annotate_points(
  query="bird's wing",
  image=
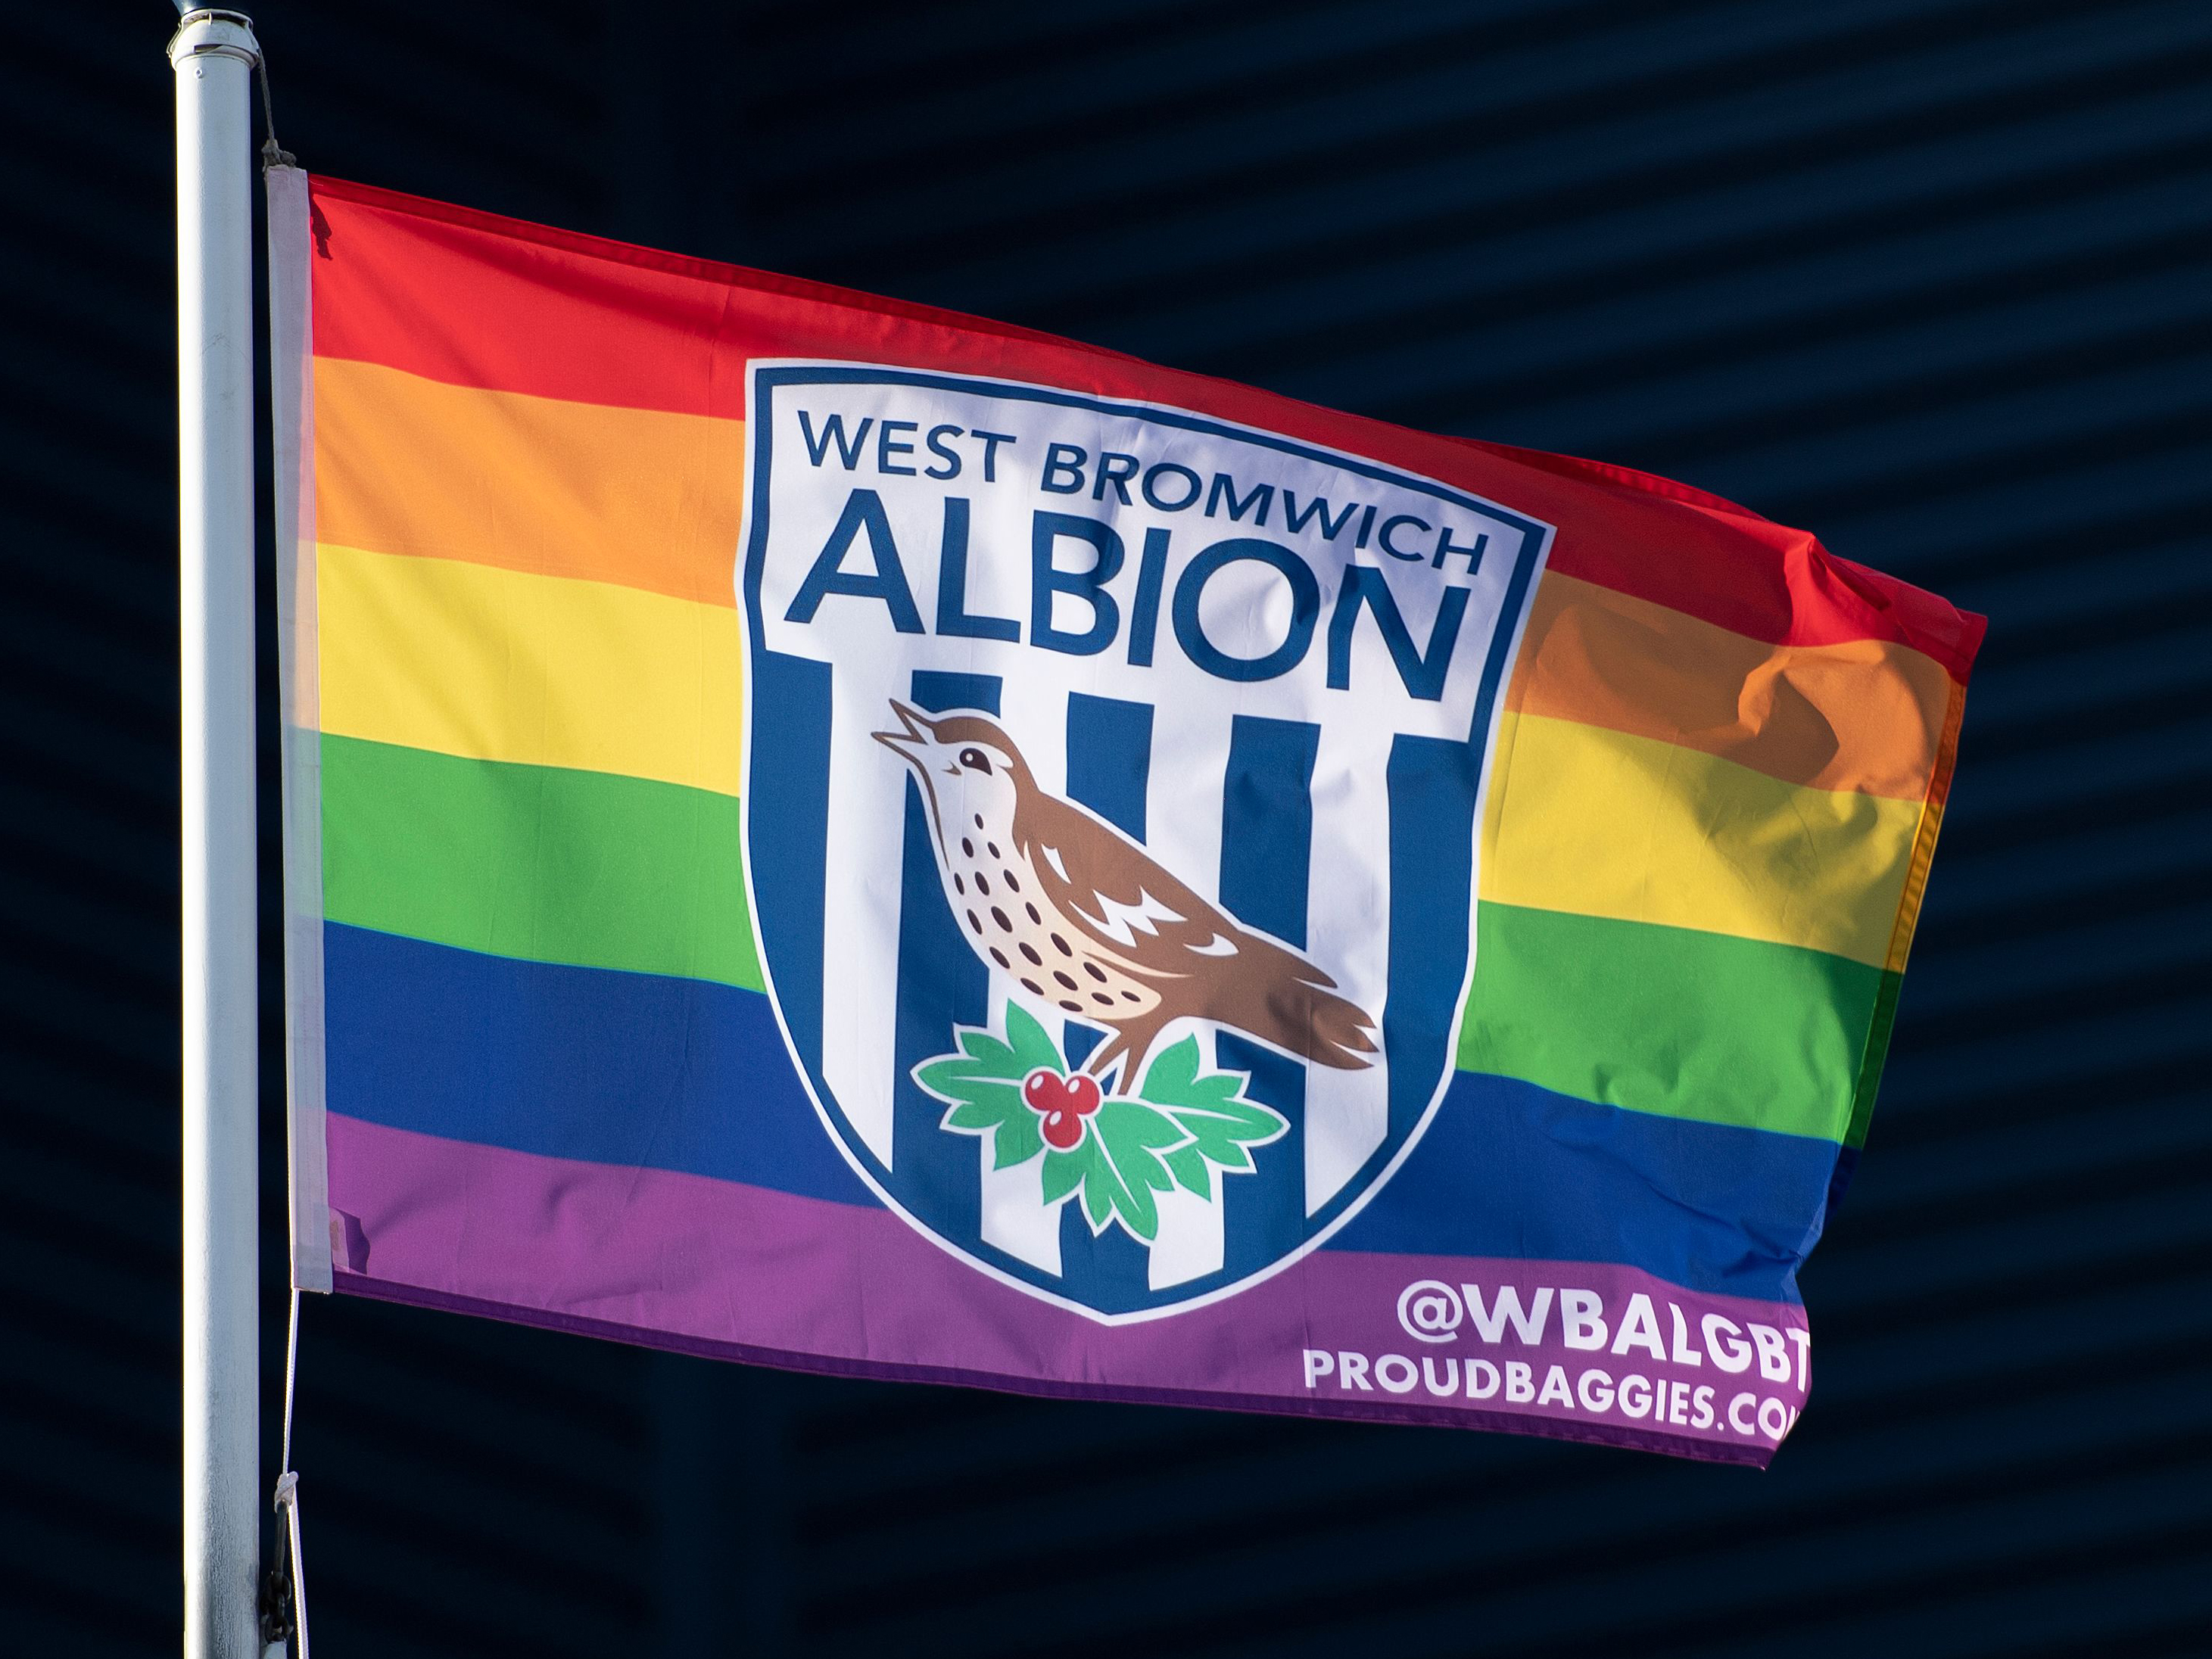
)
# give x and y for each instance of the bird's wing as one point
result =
(1129, 903)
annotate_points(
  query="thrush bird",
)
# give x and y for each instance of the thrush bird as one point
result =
(1085, 918)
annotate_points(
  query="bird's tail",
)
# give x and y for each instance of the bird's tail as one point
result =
(1300, 1012)
(1337, 1032)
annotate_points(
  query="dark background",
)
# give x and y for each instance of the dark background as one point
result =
(1932, 279)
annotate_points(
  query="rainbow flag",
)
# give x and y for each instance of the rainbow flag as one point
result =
(835, 834)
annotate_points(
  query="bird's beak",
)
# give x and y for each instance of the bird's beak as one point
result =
(909, 740)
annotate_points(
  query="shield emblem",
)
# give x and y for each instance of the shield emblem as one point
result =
(1113, 786)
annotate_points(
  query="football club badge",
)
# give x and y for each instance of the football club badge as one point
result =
(1122, 770)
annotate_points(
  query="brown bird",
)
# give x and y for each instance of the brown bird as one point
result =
(1085, 918)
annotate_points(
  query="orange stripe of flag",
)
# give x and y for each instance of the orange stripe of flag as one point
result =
(640, 497)
(1865, 715)
(650, 500)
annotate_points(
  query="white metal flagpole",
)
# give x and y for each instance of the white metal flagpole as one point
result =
(213, 55)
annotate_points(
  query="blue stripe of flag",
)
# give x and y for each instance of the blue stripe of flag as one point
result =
(647, 1072)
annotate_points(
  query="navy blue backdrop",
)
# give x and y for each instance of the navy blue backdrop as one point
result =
(1931, 277)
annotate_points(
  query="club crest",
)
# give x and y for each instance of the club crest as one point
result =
(1120, 770)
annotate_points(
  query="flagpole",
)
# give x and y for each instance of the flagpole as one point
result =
(214, 54)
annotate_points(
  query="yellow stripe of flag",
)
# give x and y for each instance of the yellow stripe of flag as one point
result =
(1586, 819)
(496, 665)
(470, 659)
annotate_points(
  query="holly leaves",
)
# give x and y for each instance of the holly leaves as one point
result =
(1211, 1110)
(1181, 1127)
(1117, 1166)
(983, 1083)
(996, 1109)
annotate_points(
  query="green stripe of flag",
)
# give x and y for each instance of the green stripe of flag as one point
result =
(1670, 1020)
(1877, 1051)
(537, 862)
(600, 871)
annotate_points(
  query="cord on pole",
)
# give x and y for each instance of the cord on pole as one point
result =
(283, 1600)
(273, 154)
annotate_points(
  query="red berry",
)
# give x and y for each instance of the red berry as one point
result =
(1082, 1092)
(1062, 1129)
(1047, 1090)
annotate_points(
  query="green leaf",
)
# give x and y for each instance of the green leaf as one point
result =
(1129, 1126)
(951, 1077)
(990, 1055)
(984, 1060)
(1189, 1168)
(1217, 1092)
(974, 1116)
(1064, 1171)
(1018, 1141)
(1168, 1079)
(1223, 1132)
(983, 1105)
(996, 1109)
(1211, 1109)
(1131, 1135)
(1100, 1194)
